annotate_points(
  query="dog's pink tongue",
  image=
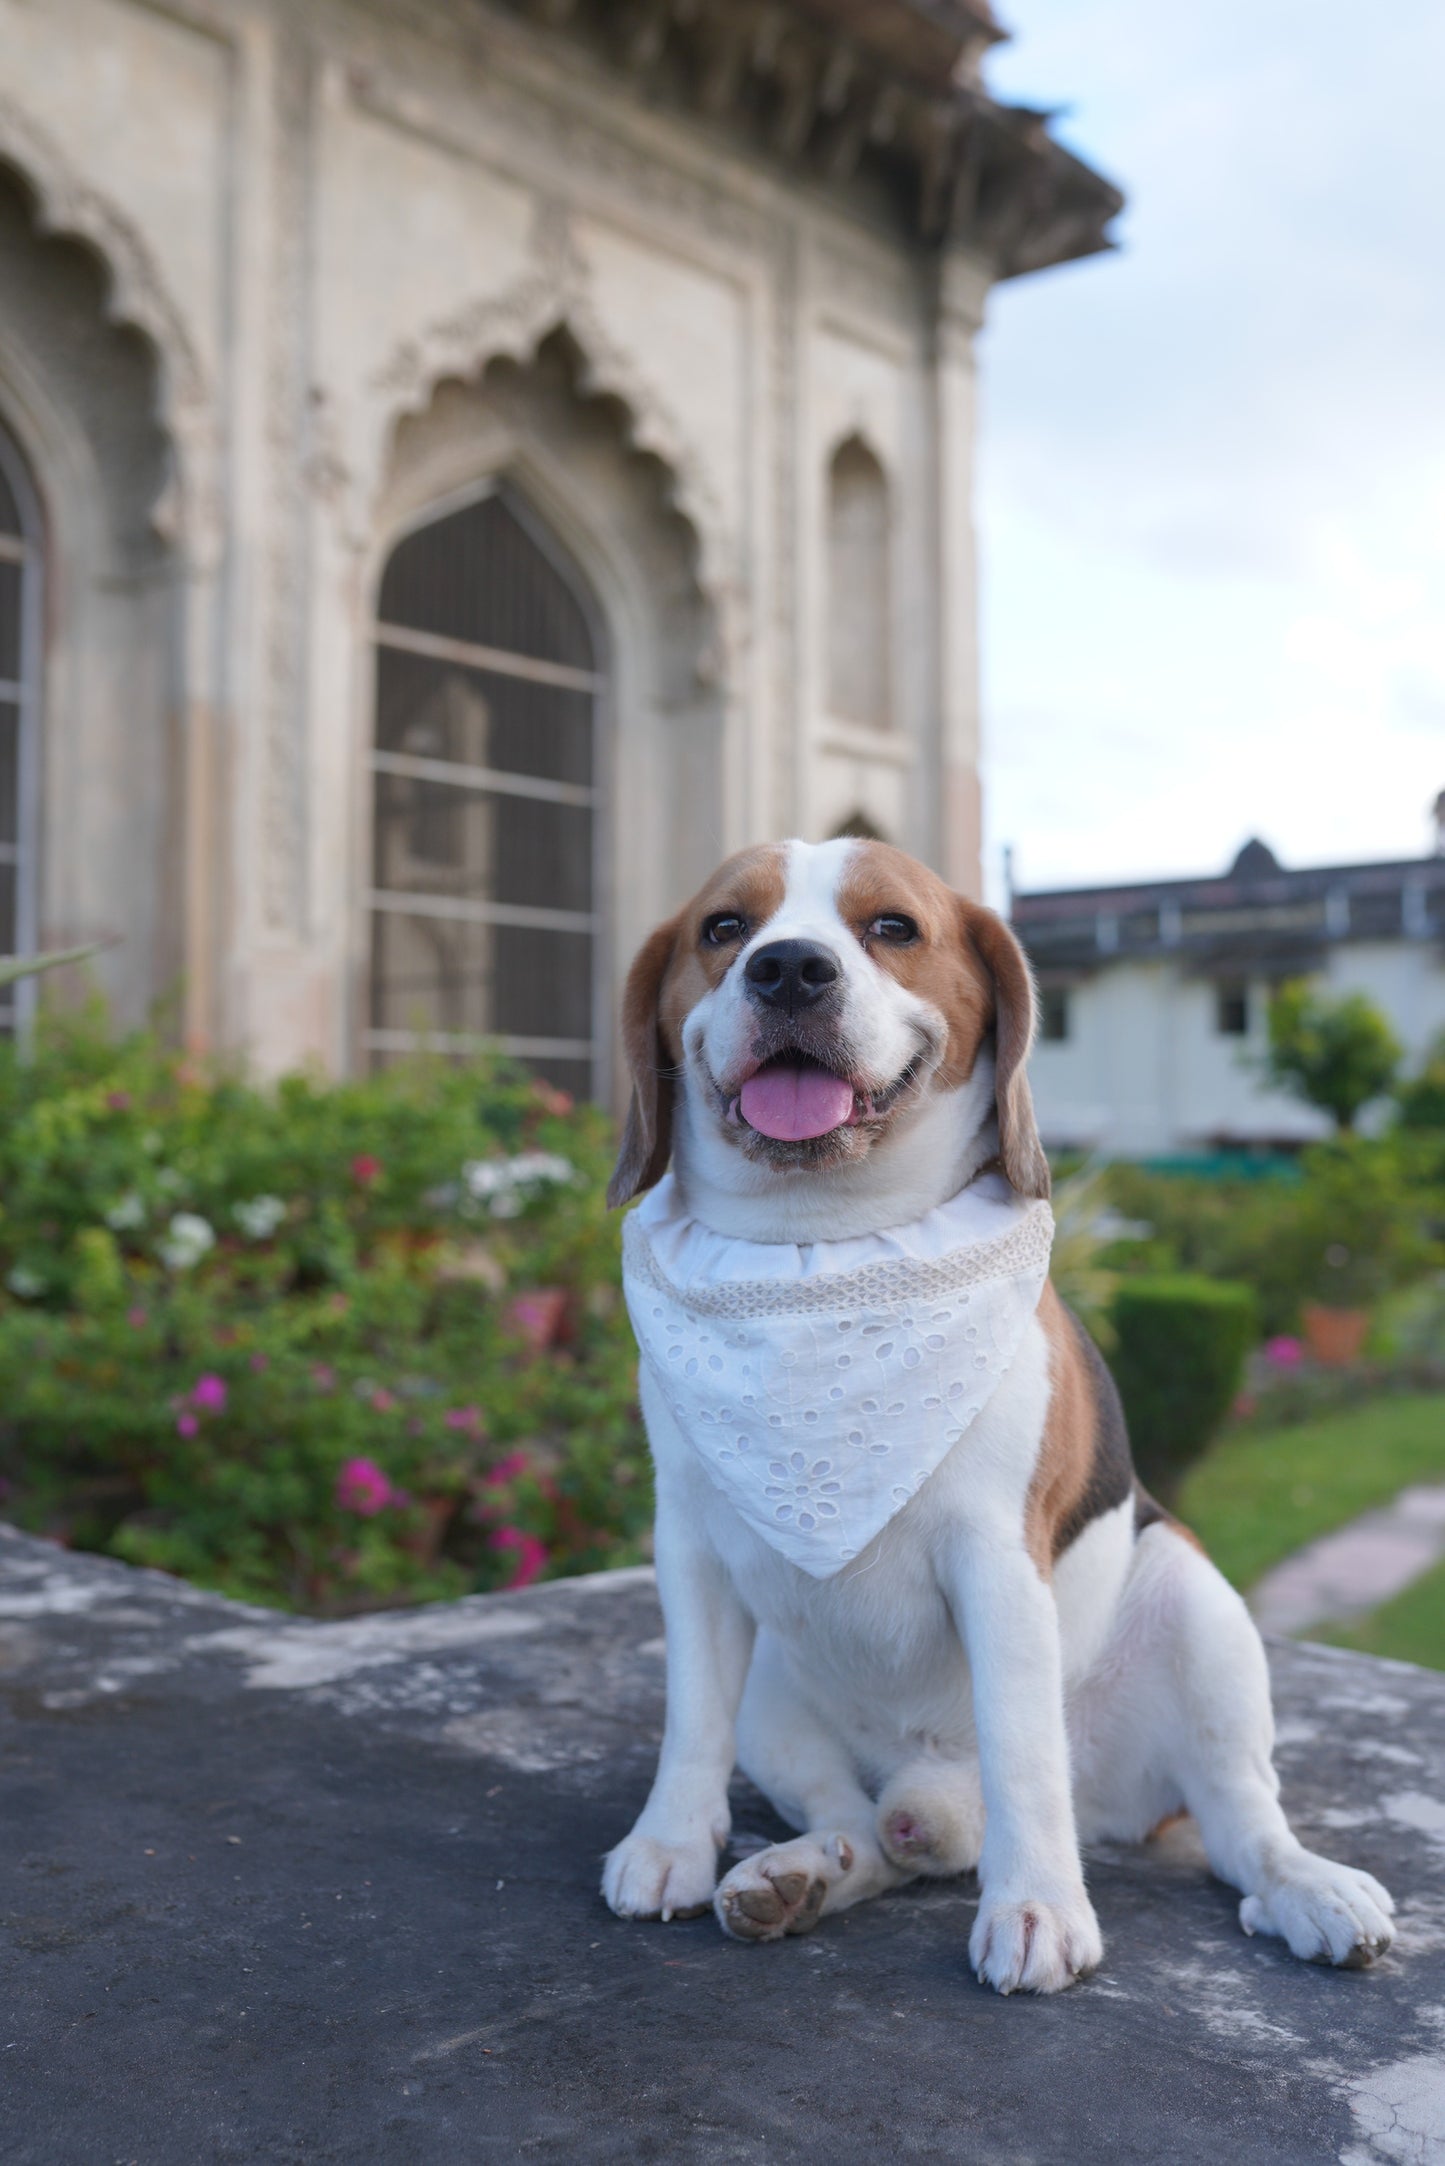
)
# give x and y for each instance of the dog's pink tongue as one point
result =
(792, 1104)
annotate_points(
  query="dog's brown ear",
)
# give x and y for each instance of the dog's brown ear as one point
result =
(647, 1132)
(1015, 1012)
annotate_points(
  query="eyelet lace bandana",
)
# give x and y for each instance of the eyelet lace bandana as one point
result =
(822, 1385)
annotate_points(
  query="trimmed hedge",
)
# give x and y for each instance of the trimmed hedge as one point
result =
(1178, 1360)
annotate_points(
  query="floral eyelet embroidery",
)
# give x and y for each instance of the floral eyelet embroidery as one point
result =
(819, 1448)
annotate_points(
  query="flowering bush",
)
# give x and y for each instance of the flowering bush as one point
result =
(321, 1345)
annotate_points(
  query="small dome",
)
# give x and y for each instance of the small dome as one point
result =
(1256, 861)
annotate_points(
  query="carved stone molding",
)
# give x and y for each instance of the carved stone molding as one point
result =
(554, 296)
(546, 129)
(69, 206)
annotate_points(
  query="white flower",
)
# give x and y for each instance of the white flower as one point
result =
(26, 1285)
(187, 1241)
(129, 1212)
(259, 1217)
(500, 1182)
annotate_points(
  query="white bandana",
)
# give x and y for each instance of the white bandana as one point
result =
(821, 1386)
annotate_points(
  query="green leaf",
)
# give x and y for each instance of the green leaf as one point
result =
(30, 966)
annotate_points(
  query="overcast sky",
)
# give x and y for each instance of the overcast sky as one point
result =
(1212, 493)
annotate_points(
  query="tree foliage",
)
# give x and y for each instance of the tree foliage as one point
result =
(1336, 1052)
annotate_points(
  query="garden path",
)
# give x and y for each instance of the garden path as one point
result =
(1346, 1574)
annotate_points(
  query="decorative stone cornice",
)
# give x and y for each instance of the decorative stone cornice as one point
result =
(880, 92)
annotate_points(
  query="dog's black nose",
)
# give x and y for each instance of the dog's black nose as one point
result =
(791, 974)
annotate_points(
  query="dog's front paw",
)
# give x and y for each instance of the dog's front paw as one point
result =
(782, 1890)
(1035, 1947)
(1326, 1913)
(644, 1878)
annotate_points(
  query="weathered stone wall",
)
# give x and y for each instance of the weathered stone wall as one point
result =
(318, 215)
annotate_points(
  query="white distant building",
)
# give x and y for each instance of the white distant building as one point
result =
(1155, 996)
(467, 464)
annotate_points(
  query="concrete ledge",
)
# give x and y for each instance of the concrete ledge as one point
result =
(282, 1891)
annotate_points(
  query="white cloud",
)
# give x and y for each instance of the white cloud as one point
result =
(1213, 468)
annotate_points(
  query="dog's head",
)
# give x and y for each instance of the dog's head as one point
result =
(811, 1000)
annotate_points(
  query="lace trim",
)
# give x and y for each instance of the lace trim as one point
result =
(1012, 1255)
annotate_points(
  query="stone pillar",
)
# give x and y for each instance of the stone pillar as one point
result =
(956, 836)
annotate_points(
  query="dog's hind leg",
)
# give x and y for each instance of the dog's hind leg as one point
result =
(930, 1817)
(804, 1771)
(1196, 1675)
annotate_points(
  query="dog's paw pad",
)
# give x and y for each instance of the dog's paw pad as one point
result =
(781, 1890)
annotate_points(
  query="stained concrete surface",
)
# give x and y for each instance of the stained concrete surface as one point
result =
(290, 1892)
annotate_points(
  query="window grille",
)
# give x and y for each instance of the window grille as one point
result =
(1231, 1009)
(20, 575)
(484, 921)
(1054, 1016)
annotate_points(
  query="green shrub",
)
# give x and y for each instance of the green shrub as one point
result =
(1348, 1222)
(321, 1345)
(1421, 1099)
(1180, 1347)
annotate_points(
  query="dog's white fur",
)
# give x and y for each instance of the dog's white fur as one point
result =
(941, 1704)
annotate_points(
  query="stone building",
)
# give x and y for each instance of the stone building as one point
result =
(1155, 996)
(465, 466)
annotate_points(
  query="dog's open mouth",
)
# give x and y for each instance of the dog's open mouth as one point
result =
(794, 1099)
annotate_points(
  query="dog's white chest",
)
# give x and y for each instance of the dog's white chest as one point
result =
(821, 1386)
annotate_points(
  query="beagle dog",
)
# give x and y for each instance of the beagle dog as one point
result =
(1025, 1653)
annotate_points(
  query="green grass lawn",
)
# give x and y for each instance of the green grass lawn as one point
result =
(1411, 1628)
(1260, 1494)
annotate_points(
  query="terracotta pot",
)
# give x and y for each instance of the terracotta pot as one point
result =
(1335, 1336)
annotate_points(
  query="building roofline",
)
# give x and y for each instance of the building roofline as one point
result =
(835, 89)
(1104, 897)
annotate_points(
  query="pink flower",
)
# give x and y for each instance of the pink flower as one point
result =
(364, 1169)
(538, 1315)
(1284, 1353)
(464, 1417)
(209, 1393)
(136, 1318)
(506, 1470)
(323, 1377)
(531, 1555)
(362, 1487)
(260, 1362)
(383, 1401)
(118, 1101)
(187, 1425)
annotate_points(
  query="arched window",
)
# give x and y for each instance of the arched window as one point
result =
(484, 922)
(859, 588)
(20, 573)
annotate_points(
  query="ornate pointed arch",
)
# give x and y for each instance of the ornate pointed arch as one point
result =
(67, 206)
(514, 326)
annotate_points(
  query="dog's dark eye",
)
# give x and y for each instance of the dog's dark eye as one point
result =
(723, 928)
(896, 929)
